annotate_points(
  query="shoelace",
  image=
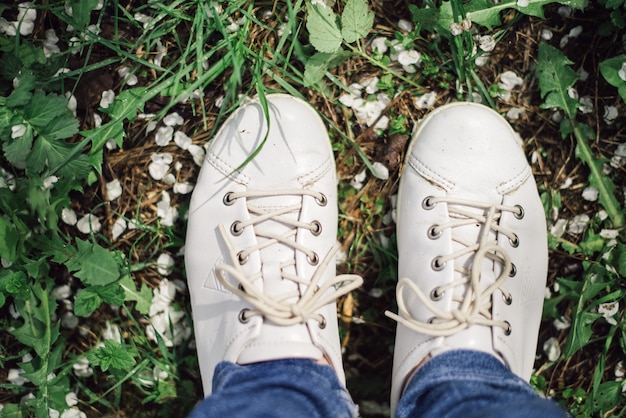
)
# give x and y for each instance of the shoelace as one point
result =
(281, 310)
(475, 305)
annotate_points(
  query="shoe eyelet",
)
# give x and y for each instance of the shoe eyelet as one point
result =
(433, 233)
(317, 228)
(240, 287)
(437, 265)
(313, 261)
(513, 271)
(322, 201)
(427, 203)
(436, 294)
(228, 199)
(242, 316)
(431, 320)
(322, 323)
(242, 260)
(235, 228)
(520, 212)
(514, 241)
(507, 299)
(508, 329)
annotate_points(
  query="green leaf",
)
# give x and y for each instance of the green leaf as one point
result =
(324, 33)
(17, 150)
(37, 331)
(87, 301)
(356, 20)
(143, 296)
(113, 356)
(485, 13)
(8, 243)
(580, 332)
(555, 78)
(81, 12)
(610, 70)
(427, 18)
(47, 153)
(44, 109)
(94, 265)
(23, 92)
(90, 298)
(316, 67)
(124, 107)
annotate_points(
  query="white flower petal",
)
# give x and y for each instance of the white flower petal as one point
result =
(578, 223)
(380, 171)
(405, 25)
(182, 140)
(552, 349)
(197, 152)
(88, 224)
(165, 264)
(163, 135)
(114, 189)
(379, 44)
(68, 216)
(487, 43)
(425, 101)
(118, 229)
(173, 119)
(590, 194)
(183, 188)
(108, 97)
(409, 57)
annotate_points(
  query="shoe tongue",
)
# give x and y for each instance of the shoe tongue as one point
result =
(274, 256)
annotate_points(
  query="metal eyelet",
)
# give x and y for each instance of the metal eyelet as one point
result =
(322, 323)
(242, 260)
(242, 316)
(436, 294)
(437, 265)
(507, 299)
(520, 212)
(240, 287)
(313, 261)
(513, 271)
(317, 228)
(427, 203)
(235, 228)
(322, 201)
(431, 320)
(508, 329)
(514, 241)
(228, 200)
(433, 233)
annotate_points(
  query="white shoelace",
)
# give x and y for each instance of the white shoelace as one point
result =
(282, 310)
(474, 307)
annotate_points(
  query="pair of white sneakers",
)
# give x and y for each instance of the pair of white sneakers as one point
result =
(261, 242)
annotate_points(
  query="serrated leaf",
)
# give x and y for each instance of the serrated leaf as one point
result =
(324, 33)
(87, 301)
(96, 265)
(356, 20)
(555, 78)
(44, 108)
(17, 150)
(60, 128)
(36, 331)
(581, 332)
(54, 153)
(113, 355)
(427, 18)
(318, 64)
(143, 296)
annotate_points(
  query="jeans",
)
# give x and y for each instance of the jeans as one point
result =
(459, 383)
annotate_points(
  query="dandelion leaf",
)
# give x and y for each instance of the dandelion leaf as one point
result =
(555, 78)
(143, 296)
(356, 20)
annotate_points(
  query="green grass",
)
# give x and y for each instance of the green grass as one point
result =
(53, 159)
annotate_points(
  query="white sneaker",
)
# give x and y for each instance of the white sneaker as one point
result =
(472, 244)
(261, 241)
